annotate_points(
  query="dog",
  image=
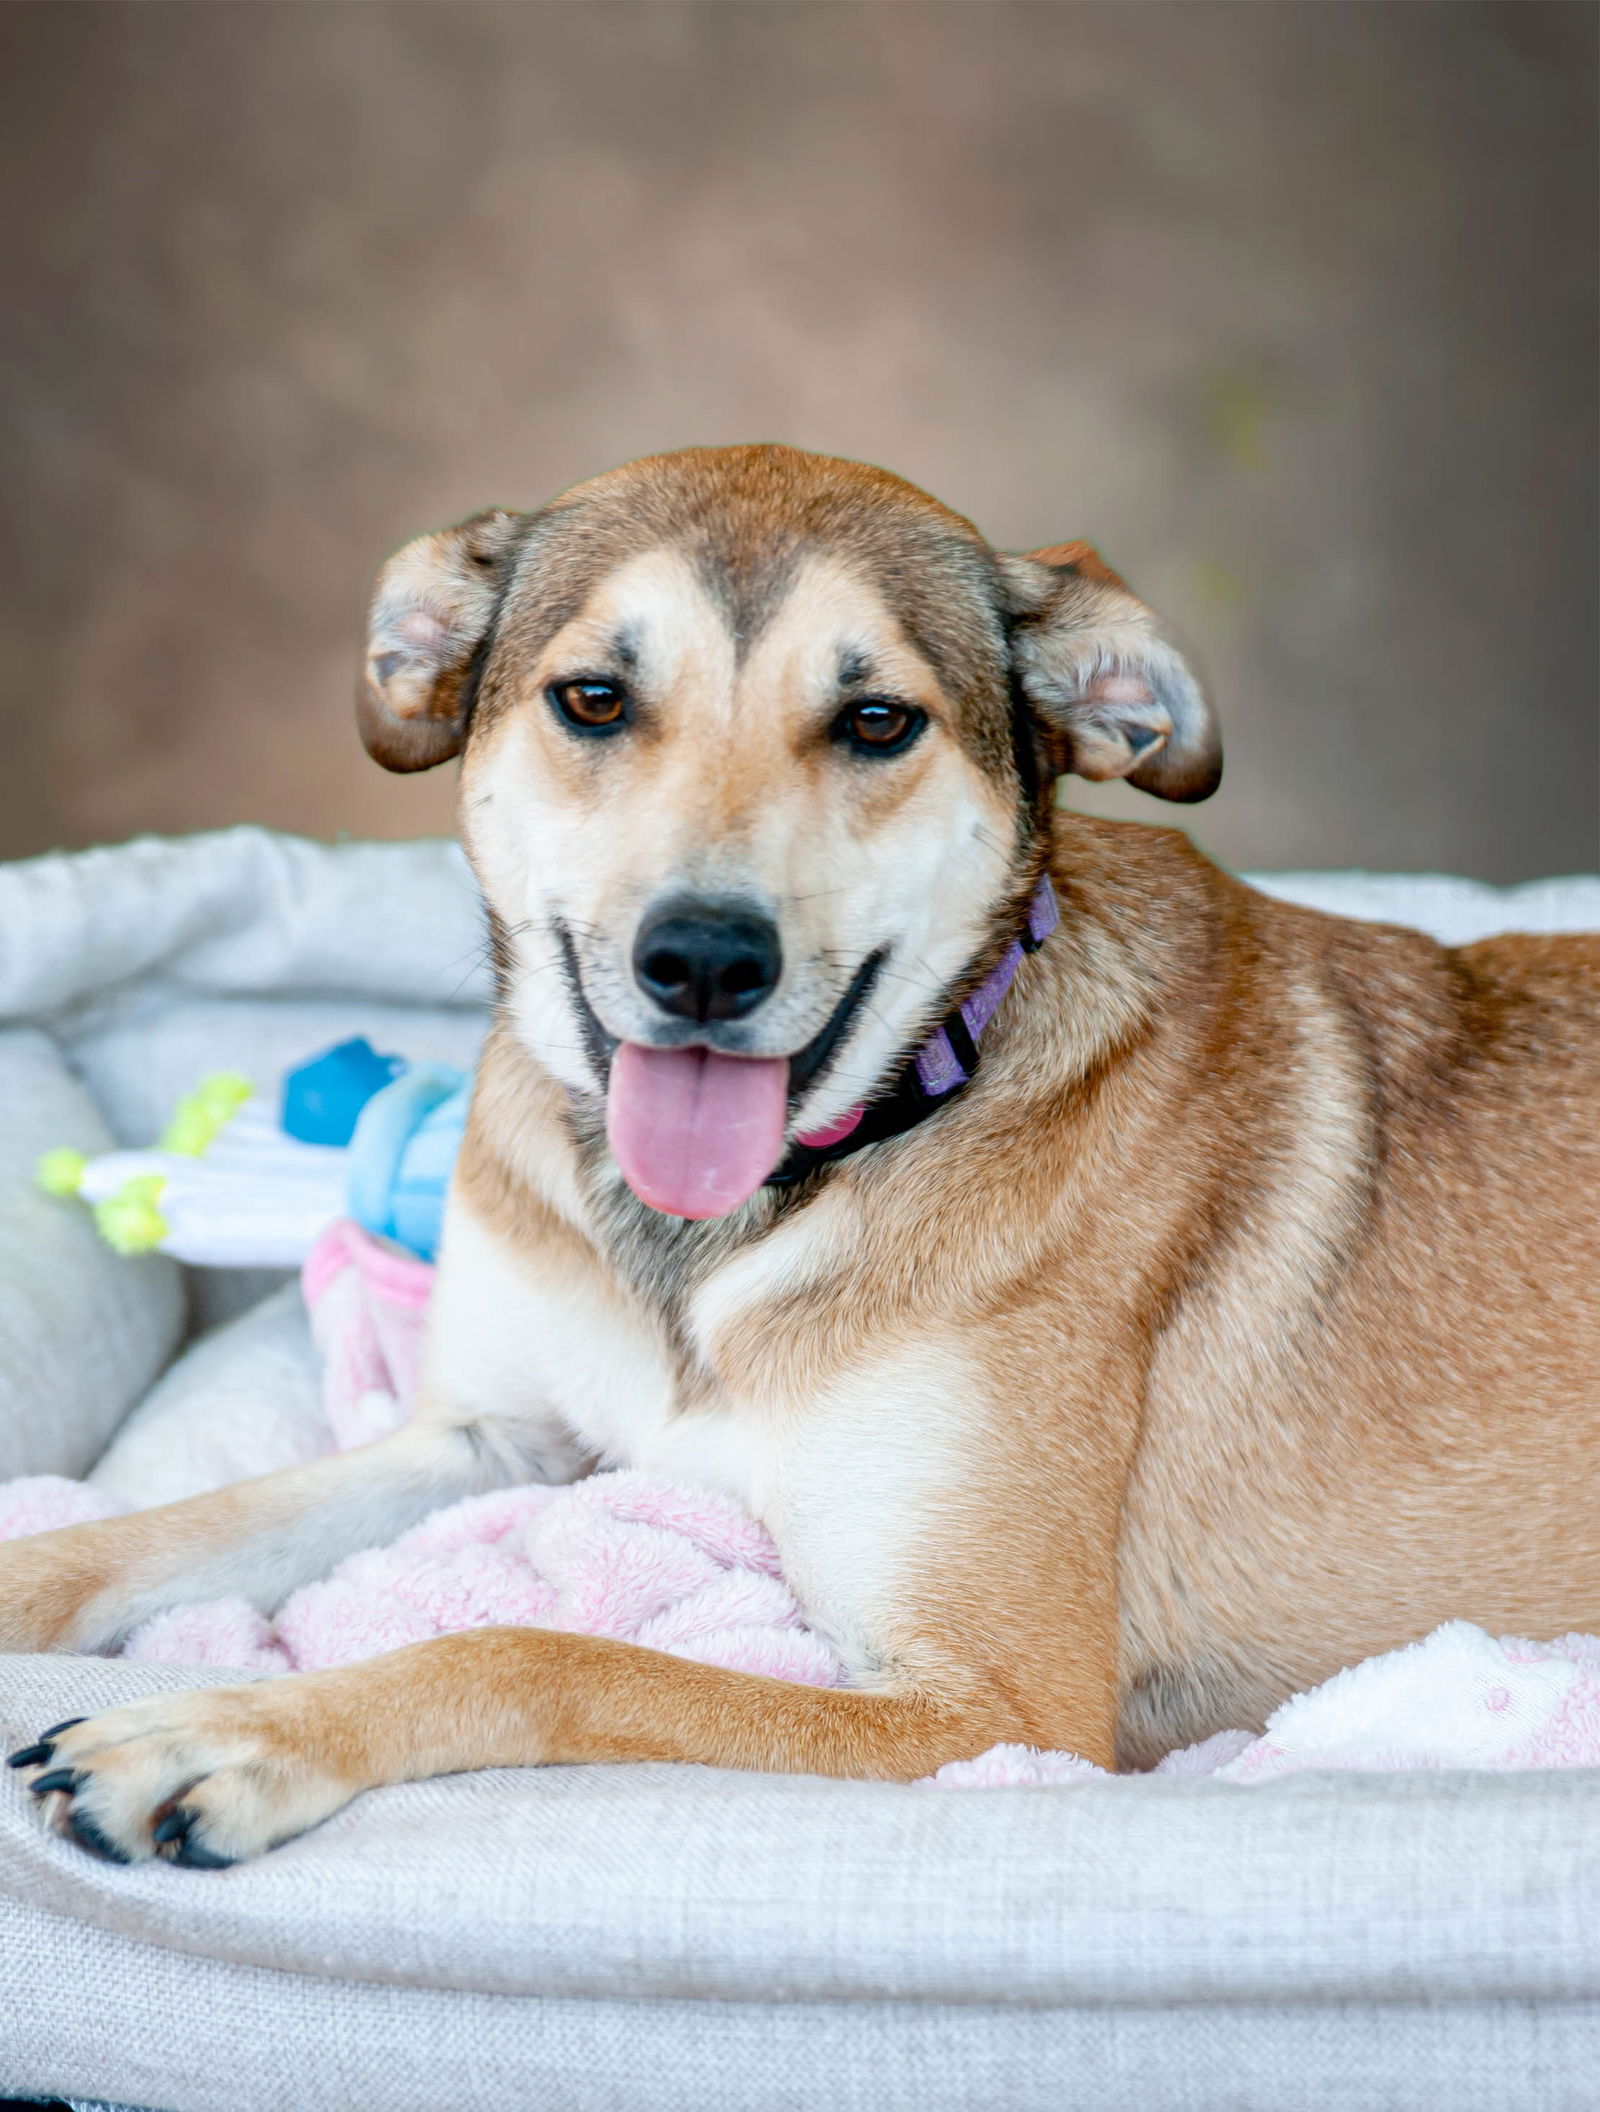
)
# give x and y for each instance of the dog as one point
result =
(1125, 1299)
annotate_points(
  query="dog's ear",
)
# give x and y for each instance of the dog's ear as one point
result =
(1114, 694)
(432, 612)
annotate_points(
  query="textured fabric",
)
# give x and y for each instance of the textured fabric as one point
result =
(660, 1938)
(661, 1882)
(676, 1940)
(148, 1048)
(240, 912)
(245, 1399)
(1457, 1698)
(221, 2039)
(369, 1312)
(1449, 909)
(624, 1555)
(83, 1332)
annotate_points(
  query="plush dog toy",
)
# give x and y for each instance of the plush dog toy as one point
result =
(229, 1184)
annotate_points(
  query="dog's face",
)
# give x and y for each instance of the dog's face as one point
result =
(757, 751)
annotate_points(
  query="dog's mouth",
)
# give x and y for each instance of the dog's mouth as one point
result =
(695, 1130)
(812, 1062)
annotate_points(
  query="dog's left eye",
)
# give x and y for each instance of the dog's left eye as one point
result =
(589, 706)
(878, 726)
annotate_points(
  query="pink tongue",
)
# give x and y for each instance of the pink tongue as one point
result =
(696, 1133)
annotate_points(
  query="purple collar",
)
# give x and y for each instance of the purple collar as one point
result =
(942, 1066)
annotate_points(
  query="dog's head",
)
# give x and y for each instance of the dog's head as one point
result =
(757, 757)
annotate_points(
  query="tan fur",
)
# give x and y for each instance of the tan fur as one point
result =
(1240, 1320)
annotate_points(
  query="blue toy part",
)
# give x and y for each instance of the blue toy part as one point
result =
(323, 1099)
(402, 1154)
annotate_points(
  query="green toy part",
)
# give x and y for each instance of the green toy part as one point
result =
(130, 1218)
(200, 1114)
(60, 1172)
(130, 1221)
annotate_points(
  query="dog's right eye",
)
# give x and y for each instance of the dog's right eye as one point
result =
(588, 706)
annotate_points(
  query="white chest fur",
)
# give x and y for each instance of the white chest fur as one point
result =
(567, 1371)
(567, 1374)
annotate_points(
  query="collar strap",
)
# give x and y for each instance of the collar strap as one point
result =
(941, 1068)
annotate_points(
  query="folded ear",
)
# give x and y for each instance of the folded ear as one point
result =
(433, 610)
(1104, 679)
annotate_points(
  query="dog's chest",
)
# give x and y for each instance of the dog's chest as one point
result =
(595, 1365)
(841, 1443)
(699, 1420)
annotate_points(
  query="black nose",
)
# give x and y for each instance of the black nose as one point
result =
(707, 960)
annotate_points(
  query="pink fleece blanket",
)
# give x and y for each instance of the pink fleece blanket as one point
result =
(675, 1568)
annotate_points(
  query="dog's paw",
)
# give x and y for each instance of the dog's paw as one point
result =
(204, 1779)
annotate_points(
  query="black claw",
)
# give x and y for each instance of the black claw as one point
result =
(175, 1825)
(58, 1778)
(88, 1835)
(32, 1755)
(194, 1857)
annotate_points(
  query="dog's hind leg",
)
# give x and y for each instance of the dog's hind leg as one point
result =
(83, 1587)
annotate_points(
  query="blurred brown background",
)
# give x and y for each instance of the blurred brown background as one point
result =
(1291, 307)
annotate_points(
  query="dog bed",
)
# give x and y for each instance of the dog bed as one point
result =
(657, 1937)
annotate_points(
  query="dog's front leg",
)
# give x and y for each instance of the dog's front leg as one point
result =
(83, 1587)
(969, 1570)
(212, 1776)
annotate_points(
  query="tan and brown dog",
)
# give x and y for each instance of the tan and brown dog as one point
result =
(1239, 1319)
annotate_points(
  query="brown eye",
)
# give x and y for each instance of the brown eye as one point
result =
(590, 707)
(878, 726)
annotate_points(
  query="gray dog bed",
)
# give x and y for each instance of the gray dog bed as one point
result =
(644, 1939)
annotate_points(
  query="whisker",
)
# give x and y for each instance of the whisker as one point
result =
(817, 894)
